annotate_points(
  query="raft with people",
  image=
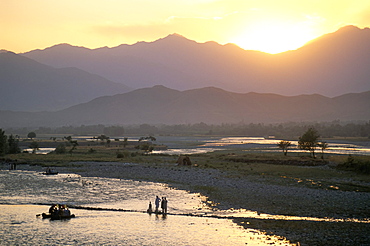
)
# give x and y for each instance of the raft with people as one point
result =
(58, 212)
(57, 216)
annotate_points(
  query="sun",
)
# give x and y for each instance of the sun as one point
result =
(273, 36)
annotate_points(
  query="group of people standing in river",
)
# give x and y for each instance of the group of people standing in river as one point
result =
(158, 201)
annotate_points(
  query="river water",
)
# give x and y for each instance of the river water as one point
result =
(193, 144)
(122, 219)
(200, 144)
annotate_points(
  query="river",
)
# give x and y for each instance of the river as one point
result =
(178, 145)
(122, 219)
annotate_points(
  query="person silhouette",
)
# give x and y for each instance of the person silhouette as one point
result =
(162, 201)
(157, 201)
(150, 209)
(164, 205)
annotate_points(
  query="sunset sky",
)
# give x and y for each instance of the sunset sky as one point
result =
(267, 25)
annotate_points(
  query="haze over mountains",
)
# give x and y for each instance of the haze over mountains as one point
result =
(162, 105)
(27, 85)
(187, 82)
(332, 65)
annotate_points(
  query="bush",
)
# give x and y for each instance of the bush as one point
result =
(145, 146)
(124, 154)
(61, 149)
(356, 165)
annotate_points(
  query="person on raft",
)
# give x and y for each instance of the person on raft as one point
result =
(64, 211)
(53, 208)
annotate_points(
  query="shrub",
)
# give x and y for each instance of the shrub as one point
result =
(356, 165)
(133, 154)
(61, 149)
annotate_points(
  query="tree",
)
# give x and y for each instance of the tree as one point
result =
(308, 141)
(34, 146)
(323, 145)
(69, 138)
(31, 135)
(74, 145)
(3, 143)
(284, 146)
(151, 138)
(71, 142)
(13, 144)
(60, 149)
(103, 138)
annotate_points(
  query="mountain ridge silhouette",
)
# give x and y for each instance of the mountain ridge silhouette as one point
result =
(332, 65)
(211, 105)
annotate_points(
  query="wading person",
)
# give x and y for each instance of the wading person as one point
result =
(157, 201)
(150, 209)
(164, 205)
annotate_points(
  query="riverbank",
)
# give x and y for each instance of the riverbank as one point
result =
(263, 194)
(252, 193)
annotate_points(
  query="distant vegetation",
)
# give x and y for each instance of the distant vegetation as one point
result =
(102, 148)
(284, 131)
(8, 144)
(356, 164)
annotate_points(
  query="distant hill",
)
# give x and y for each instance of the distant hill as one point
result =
(332, 65)
(161, 105)
(27, 85)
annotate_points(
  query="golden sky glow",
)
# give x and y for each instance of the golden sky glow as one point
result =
(267, 25)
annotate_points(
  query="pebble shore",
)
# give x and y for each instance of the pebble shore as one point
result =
(234, 192)
(229, 191)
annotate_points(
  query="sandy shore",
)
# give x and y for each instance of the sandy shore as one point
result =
(229, 191)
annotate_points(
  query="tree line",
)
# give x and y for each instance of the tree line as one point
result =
(281, 130)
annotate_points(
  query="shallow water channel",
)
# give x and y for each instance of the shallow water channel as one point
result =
(22, 192)
(200, 144)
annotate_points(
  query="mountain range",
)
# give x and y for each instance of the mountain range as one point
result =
(162, 105)
(175, 80)
(27, 85)
(332, 65)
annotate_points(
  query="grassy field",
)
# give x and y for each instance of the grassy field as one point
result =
(294, 169)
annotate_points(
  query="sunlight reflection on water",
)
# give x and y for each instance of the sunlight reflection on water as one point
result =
(28, 187)
(41, 151)
(19, 225)
(262, 144)
(197, 145)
